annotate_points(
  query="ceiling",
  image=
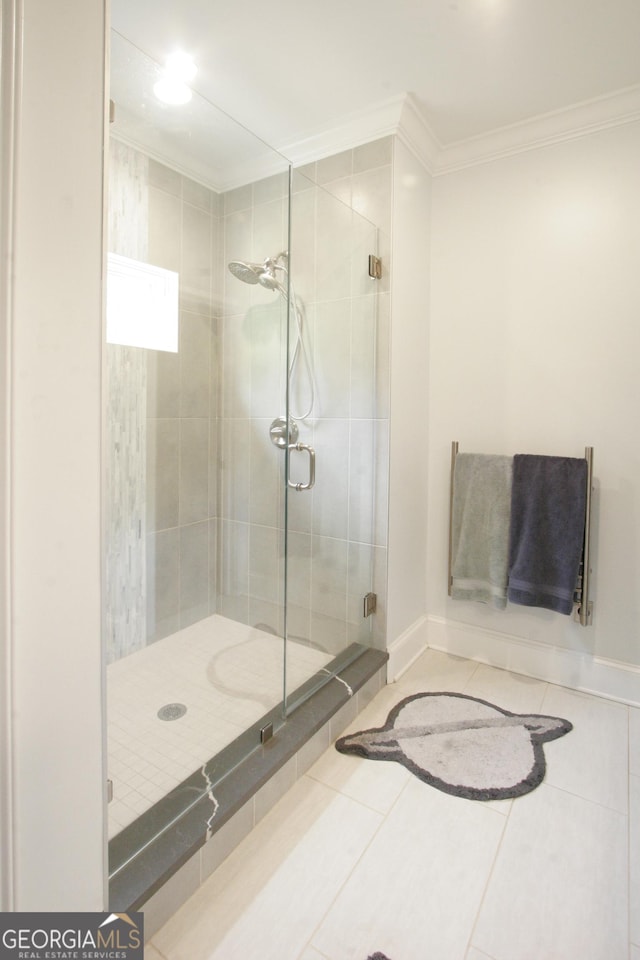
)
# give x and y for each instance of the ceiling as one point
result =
(293, 69)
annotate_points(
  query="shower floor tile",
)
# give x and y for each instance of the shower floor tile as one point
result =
(225, 673)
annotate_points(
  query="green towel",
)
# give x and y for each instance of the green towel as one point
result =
(480, 518)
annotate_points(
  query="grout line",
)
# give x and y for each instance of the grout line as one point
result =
(150, 943)
(383, 820)
(365, 849)
(488, 881)
(581, 796)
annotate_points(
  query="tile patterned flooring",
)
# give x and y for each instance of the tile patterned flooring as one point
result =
(360, 856)
(227, 674)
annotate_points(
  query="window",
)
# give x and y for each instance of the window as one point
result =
(142, 304)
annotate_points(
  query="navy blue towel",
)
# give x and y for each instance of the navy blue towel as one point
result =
(546, 536)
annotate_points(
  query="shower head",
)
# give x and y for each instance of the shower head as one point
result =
(267, 277)
(262, 273)
(247, 272)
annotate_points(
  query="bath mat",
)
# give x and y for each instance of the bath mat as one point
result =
(462, 745)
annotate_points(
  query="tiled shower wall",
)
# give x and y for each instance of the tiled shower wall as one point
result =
(254, 225)
(125, 424)
(338, 530)
(171, 401)
(182, 398)
(212, 527)
(340, 534)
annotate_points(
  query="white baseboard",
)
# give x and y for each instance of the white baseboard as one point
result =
(406, 648)
(568, 668)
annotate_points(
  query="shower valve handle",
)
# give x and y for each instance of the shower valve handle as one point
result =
(312, 467)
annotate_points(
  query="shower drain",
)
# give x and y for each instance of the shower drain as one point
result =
(172, 711)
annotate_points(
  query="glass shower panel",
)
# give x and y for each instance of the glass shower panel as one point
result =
(331, 523)
(194, 489)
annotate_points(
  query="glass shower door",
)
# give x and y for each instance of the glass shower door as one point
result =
(241, 512)
(331, 508)
(194, 495)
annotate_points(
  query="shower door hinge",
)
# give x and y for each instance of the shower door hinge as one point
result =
(266, 732)
(109, 791)
(375, 267)
(369, 605)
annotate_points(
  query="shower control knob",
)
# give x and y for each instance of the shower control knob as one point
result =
(283, 434)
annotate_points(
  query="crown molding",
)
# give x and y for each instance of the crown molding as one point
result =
(401, 116)
(416, 134)
(396, 116)
(577, 121)
(379, 120)
(244, 171)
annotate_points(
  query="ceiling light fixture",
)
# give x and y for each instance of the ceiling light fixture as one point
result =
(172, 86)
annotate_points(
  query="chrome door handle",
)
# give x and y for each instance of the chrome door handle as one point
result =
(312, 466)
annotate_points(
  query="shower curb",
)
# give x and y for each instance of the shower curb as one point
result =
(139, 881)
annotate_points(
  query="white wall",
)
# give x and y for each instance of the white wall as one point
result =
(535, 348)
(53, 449)
(408, 422)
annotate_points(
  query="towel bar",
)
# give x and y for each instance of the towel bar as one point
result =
(454, 453)
(582, 605)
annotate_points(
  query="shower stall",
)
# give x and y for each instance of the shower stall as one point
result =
(245, 450)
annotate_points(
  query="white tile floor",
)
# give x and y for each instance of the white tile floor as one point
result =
(360, 856)
(228, 675)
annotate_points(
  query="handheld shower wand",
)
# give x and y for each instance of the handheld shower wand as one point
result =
(265, 274)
